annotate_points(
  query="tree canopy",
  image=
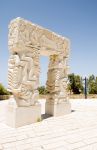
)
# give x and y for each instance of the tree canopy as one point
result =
(76, 84)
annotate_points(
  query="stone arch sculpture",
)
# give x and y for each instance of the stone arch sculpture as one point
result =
(27, 42)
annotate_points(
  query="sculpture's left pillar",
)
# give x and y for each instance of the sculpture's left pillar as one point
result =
(23, 76)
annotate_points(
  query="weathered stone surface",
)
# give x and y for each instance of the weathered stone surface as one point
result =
(27, 42)
(23, 36)
(20, 116)
(59, 109)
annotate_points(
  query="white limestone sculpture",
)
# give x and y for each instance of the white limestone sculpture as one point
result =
(27, 42)
(57, 80)
(23, 81)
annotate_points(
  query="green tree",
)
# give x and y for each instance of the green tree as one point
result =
(75, 83)
(42, 90)
(3, 91)
(92, 84)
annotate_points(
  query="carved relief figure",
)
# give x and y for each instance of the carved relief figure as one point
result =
(57, 79)
(26, 40)
(23, 82)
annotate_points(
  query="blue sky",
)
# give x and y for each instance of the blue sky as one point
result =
(75, 19)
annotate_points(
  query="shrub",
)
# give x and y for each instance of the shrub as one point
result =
(42, 90)
(4, 97)
(3, 91)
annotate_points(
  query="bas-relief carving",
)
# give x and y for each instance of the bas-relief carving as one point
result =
(23, 34)
(57, 80)
(25, 42)
(23, 77)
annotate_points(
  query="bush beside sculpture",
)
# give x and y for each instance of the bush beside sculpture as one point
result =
(42, 90)
(4, 94)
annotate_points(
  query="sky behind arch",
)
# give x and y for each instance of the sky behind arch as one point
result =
(75, 19)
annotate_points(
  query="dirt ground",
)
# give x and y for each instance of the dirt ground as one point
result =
(82, 96)
(75, 96)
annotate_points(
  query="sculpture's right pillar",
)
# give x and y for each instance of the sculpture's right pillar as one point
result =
(57, 102)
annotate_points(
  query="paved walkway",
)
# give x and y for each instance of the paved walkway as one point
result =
(75, 131)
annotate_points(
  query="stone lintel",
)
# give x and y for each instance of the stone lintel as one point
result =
(24, 35)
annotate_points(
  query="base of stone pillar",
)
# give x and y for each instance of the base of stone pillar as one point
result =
(20, 116)
(58, 109)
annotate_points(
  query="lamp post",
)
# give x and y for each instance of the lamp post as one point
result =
(85, 92)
